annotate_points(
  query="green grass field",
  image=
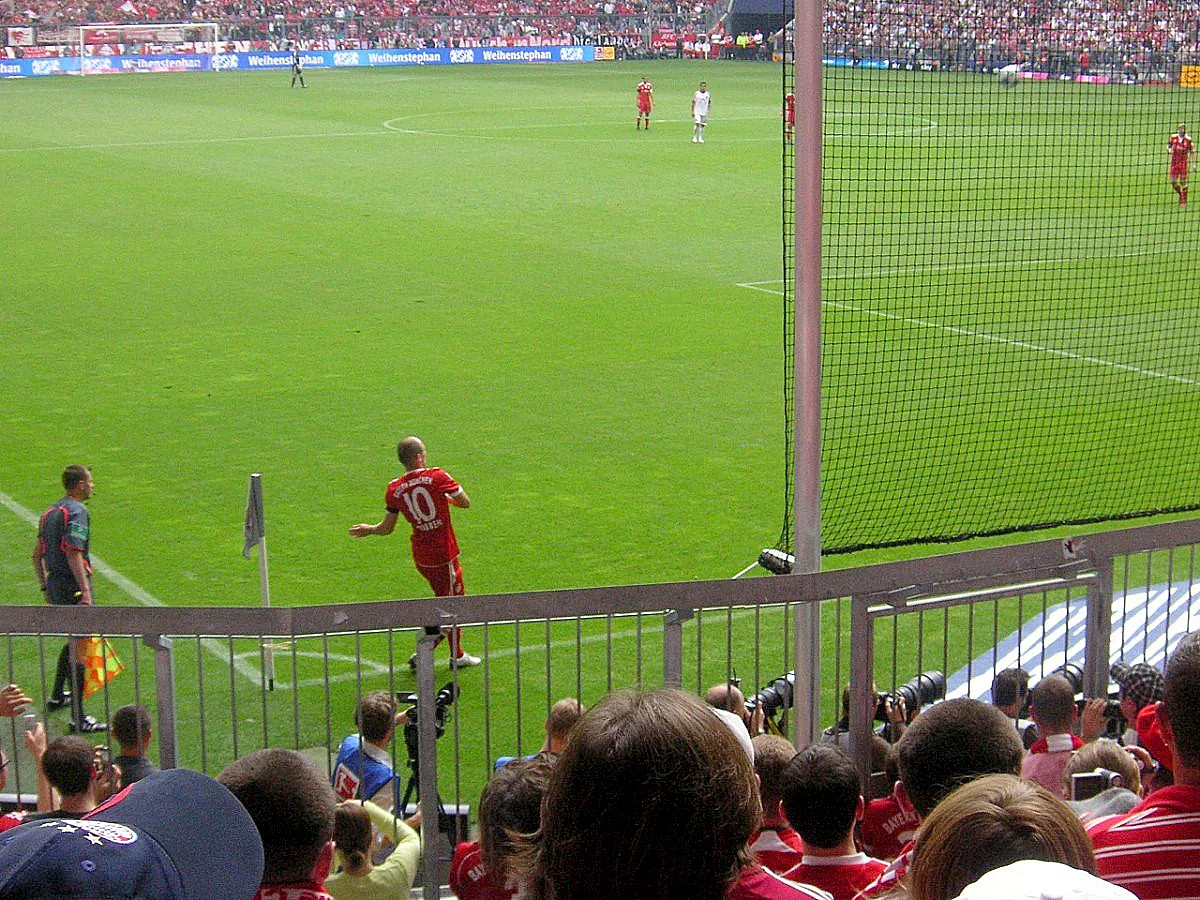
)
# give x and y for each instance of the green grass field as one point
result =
(211, 275)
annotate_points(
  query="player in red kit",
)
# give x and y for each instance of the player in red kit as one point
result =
(424, 495)
(789, 116)
(645, 102)
(1180, 147)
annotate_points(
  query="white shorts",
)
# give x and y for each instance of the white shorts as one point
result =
(700, 120)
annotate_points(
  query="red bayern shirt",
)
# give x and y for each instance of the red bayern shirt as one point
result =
(1180, 147)
(842, 876)
(420, 496)
(469, 877)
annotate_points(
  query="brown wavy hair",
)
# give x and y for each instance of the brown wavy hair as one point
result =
(989, 823)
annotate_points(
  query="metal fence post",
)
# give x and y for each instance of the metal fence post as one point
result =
(862, 663)
(164, 689)
(673, 621)
(429, 801)
(1098, 635)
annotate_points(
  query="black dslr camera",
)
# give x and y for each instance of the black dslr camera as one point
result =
(776, 695)
(923, 688)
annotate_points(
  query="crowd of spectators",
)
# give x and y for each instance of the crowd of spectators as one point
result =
(657, 793)
(1053, 35)
(1064, 36)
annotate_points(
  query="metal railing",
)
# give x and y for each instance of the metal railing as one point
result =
(204, 671)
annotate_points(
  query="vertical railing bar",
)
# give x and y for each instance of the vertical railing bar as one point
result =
(233, 698)
(295, 645)
(262, 689)
(200, 694)
(517, 664)
(609, 650)
(487, 694)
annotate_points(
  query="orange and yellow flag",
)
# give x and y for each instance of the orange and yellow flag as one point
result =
(100, 664)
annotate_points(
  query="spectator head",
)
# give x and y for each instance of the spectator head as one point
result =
(131, 728)
(1010, 688)
(292, 805)
(352, 834)
(772, 754)
(728, 697)
(1103, 754)
(1033, 879)
(643, 775)
(70, 765)
(949, 744)
(1052, 705)
(1141, 684)
(172, 834)
(564, 715)
(511, 805)
(411, 452)
(1179, 713)
(822, 796)
(375, 717)
(989, 823)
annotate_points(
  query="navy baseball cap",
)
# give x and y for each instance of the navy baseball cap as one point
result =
(174, 834)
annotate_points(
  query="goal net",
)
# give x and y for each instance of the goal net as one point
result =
(1009, 269)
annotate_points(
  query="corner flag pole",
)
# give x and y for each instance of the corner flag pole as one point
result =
(255, 534)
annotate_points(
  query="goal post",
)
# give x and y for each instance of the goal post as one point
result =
(205, 35)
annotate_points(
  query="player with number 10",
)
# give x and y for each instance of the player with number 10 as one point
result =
(424, 495)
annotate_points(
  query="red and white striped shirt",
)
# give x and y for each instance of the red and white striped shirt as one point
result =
(1152, 849)
(757, 883)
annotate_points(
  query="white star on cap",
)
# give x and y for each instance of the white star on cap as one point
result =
(68, 829)
(95, 839)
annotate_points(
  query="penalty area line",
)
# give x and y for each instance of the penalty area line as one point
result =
(136, 592)
(982, 336)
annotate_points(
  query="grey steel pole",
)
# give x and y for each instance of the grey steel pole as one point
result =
(807, 39)
(164, 690)
(427, 754)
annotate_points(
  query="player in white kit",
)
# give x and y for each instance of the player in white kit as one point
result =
(701, 103)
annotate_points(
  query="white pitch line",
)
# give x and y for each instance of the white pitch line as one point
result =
(136, 591)
(983, 336)
(655, 627)
(183, 142)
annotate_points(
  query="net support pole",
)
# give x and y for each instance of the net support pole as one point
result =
(807, 38)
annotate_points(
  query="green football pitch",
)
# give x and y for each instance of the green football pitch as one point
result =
(212, 275)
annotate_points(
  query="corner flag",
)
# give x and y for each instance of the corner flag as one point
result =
(254, 533)
(255, 528)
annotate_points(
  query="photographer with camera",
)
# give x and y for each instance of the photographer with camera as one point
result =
(894, 711)
(73, 776)
(1103, 778)
(1010, 695)
(728, 698)
(364, 769)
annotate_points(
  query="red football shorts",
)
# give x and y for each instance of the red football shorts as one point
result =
(1179, 170)
(643, 105)
(446, 579)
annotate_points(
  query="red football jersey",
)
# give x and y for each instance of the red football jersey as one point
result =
(645, 89)
(1180, 147)
(420, 496)
(1151, 850)
(842, 876)
(469, 878)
